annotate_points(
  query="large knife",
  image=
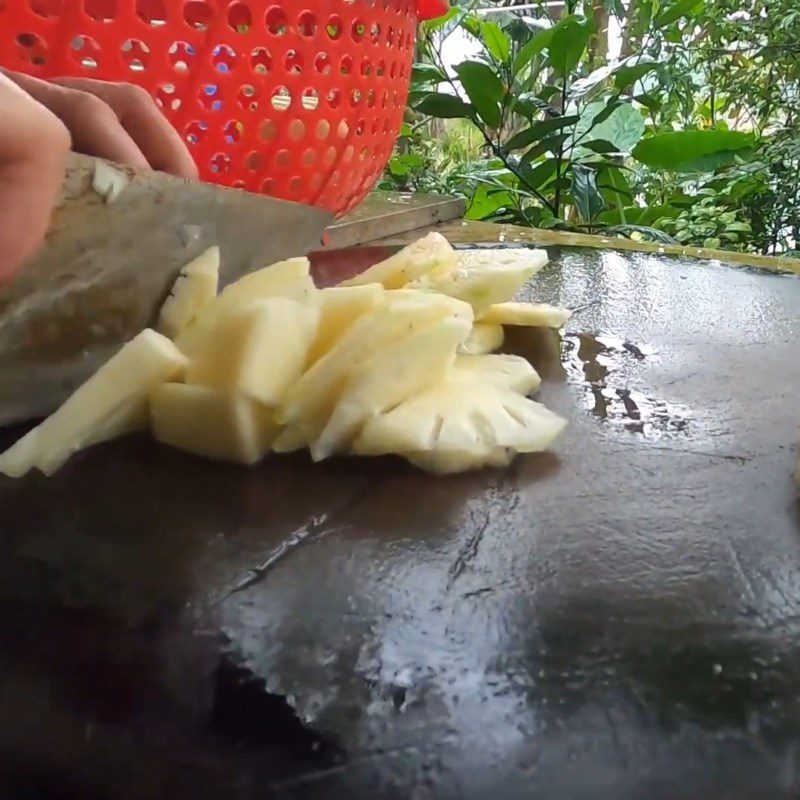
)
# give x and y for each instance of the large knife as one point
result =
(117, 242)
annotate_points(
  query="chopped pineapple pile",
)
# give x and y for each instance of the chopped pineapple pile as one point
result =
(396, 361)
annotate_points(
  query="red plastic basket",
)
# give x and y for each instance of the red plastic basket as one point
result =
(303, 104)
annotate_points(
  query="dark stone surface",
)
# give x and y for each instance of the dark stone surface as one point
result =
(620, 619)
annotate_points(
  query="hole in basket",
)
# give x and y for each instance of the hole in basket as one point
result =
(309, 157)
(85, 51)
(281, 99)
(297, 130)
(198, 14)
(224, 58)
(233, 132)
(307, 24)
(276, 21)
(220, 163)
(390, 36)
(181, 56)
(165, 95)
(375, 32)
(329, 157)
(323, 130)
(347, 155)
(364, 153)
(366, 67)
(393, 70)
(49, 9)
(334, 98)
(152, 12)
(239, 185)
(334, 27)
(266, 186)
(196, 131)
(294, 62)
(343, 130)
(375, 125)
(135, 55)
(381, 69)
(254, 161)
(31, 48)
(316, 182)
(358, 30)
(346, 65)
(361, 126)
(335, 177)
(283, 159)
(310, 99)
(295, 186)
(240, 18)
(210, 97)
(371, 98)
(268, 131)
(248, 97)
(355, 98)
(101, 10)
(261, 60)
(322, 63)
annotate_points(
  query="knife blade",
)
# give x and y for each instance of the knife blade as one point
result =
(109, 262)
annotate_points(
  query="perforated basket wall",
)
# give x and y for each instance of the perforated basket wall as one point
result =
(303, 104)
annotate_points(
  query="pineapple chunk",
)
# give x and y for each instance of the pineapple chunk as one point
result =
(258, 349)
(485, 277)
(221, 425)
(457, 416)
(484, 338)
(528, 315)
(111, 403)
(450, 462)
(340, 307)
(194, 289)
(290, 440)
(311, 400)
(389, 377)
(432, 252)
(504, 371)
(289, 279)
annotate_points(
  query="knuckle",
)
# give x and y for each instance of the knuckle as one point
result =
(89, 105)
(134, 97)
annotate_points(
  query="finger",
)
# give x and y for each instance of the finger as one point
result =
(141, 118)
(33, 150)
(95, 128)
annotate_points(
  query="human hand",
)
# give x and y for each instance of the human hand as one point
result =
(42, 120)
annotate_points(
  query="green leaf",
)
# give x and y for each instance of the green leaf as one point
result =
(445, 106)
(440, 22)
(650, 101)
(588, 199)
(687, 150)
(471, 24)
(551, 144)
(427, 73)
(568, 43)
(529, 105)
(497, 41)
(484, 89)
(678, 9)
(539, 130)
(583, 86)
(487, 201)
(622, 126)
(531, 48)
(628, 75)
(539, 176)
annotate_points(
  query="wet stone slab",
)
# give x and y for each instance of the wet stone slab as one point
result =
(619, 619)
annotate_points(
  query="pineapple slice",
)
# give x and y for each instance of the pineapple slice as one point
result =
(258, 349)
(485, 277)
(504, 371)
(528, 315)
(389, 377)
(484, 338)
(340, 307)
(221, 425)
(111, 403)
(432, 252)
(194, 289)
(289, 279)
(450, 462)
(456, 416)
(290, 440)
(311, 400)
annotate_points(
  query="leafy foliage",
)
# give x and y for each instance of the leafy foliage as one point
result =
(691, 134)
